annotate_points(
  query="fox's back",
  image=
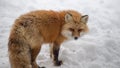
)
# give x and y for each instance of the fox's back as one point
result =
(46, 23)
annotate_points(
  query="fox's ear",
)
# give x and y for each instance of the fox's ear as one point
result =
(84, 19)
(68, 17)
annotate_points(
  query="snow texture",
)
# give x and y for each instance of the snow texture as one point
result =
(100, 48)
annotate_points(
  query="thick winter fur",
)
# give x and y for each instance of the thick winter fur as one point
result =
(33, 29)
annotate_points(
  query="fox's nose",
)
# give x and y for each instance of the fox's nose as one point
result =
(75, 38)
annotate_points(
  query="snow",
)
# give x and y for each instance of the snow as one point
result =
(99, 48)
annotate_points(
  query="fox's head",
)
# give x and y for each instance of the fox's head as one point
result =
(75, 25)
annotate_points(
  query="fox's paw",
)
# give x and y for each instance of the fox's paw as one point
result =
(58, 63)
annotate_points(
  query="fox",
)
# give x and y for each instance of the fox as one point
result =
(38, 27)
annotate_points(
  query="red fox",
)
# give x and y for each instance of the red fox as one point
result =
(33, 29)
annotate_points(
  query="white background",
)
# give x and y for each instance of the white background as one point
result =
(100, 48)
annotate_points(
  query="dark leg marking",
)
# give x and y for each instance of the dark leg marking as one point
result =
(41, 67)
(56, 49)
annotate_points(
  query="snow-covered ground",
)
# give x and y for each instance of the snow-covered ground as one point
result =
(100, 48)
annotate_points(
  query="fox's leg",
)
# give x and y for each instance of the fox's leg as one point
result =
(51, 50)
(35, 51)
(56, 48)
(19, 55)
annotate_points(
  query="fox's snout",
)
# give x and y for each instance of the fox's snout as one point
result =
(75, 38)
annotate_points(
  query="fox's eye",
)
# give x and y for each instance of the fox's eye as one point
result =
(71, 29)
(79, 30)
